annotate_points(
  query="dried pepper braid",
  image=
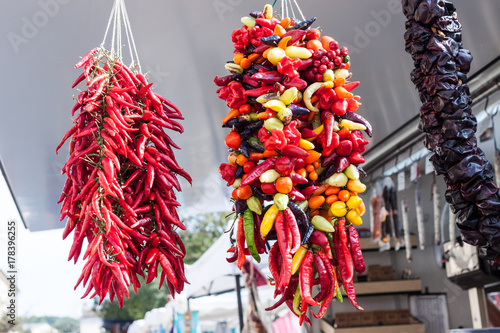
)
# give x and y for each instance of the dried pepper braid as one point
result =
(434, 40)
(122, 177)
(295, 154)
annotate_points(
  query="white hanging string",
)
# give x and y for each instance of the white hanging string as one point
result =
(287, 9)
(117, 18)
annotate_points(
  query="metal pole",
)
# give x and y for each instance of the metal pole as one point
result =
(240, 306)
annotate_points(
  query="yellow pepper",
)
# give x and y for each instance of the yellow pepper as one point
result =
(354, 202)
(275, 105)
(268, 220)
(289, 95)
(307, 145)
(298, 257)
(338, 209)
(351, 125)
(319, 129)
(275, 55)
(356, 185)
(298, 52)
(353, 217)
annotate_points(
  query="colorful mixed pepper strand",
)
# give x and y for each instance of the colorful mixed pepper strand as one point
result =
(295, 149)
(122, 173)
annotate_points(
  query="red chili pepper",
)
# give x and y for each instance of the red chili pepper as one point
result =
(327, 97)
(356, 158)
(306, 277)
(292, 134)
(240, 242)
(349, 86)
(345, 259)
(344, 148)
(296, 195)
(276, 141)
(257, 171)
(267, 23)
(294, 151)
(323, 279)
(256, 33)
(357, 255)
(296, 82)
(339, 107)
(86, 58)
(274, 266)
(333, 286)
(240, 38)
(289, 67)
(267, 77)
(294, 228)
(258, 92)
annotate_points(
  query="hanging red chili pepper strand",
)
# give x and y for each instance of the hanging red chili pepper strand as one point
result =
(122, 173)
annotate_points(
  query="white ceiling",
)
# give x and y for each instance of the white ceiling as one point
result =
(184, 44)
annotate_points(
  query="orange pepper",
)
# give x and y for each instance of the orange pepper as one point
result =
(325, 41)
(234, 194)
(347, 65)
(255, 156)
(262, 115)
(244, 192)
(254, 56)
(313, 176)
(309, 168)
(314, 99)
(266, 52)
(316, 164)
(316, 201)
(332, 190)
(344, 195)
(332, 198)
(232, 158)
(241, 159)
(320, 189)
(285, 23)
(279, 30)
(361, 209)
(302, 172)
(342, 93)
(339, 82)
(238, 57)
(246, 63)
(269, 153)
(313, 156)
(231, 114)
(314, 44)
(260, 60)
(284, 185)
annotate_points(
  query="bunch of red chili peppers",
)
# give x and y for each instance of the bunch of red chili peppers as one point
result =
(122, 173)
(295, 149)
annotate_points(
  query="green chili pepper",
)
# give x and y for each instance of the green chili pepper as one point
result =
(322, 224)
(254, 205)
(248, 225)
(296, 301)
(255, 143)
(339, 294)
(281, 201)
